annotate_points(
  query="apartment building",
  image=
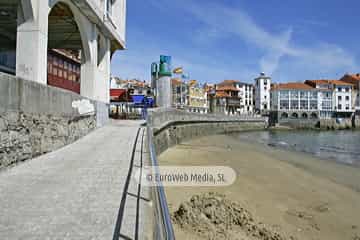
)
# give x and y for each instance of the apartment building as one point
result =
(232, 97)
(294, 100)
(197, 98)
(179, 93)
(354, 79)
(313, 99)
(227, 97)
(246, 97)
(262, 93)
(341, 97)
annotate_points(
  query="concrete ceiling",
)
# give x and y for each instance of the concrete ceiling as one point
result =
(63, 31)
(8, 15)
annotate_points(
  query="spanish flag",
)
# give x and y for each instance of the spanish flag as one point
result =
(178, 70)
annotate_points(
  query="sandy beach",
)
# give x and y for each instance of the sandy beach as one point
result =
(298, 195)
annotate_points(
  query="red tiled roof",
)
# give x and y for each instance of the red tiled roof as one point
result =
(221, 94)
(354, 79)
(226, 88)
(326, 81)
(291, 85)
(229, 82)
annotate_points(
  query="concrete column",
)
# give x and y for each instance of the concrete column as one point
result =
(164, 93)
(89, 62)
(102, 82)
(31, 44)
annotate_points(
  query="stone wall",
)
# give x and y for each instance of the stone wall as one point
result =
(170, 126)
(36, 119)
(334, 124)
(24, 136)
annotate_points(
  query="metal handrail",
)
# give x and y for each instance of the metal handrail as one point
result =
(163, 228)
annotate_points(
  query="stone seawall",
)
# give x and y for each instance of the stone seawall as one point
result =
(171, 126)
(36, 119)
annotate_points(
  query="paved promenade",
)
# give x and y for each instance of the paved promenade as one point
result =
(77, 192)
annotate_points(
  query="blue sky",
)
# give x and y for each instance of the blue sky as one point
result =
(215, 40)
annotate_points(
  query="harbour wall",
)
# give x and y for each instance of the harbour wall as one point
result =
(171, 126)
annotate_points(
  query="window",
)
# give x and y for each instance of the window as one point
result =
(284, 104)
(347, 107)
(326, 105)
(294, 104)
(347, 89)
(347, 98)
(303, 95)
(50, 68)
(313, 105)
(303, 104)
(339, 98)
(313, 95)
(339, 89)
(294, 94)
(339, 107)
(284, 95)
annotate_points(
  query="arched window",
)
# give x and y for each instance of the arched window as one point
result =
(314, 115)
(284, 115)
(294, 115)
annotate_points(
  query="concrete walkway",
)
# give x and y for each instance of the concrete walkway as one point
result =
(76, 192)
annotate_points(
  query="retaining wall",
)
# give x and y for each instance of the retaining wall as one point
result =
(36, 119)
(170, 126)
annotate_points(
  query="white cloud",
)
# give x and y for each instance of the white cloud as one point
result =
(280, 55)
(275, 45)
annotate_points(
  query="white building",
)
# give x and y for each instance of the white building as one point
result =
(341, 94)
(354, 79)
(314, 99)
(262, 93)
(96, 28)
(295, 100)
(246, 97)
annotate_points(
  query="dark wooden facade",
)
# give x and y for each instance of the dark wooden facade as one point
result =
(63, 70)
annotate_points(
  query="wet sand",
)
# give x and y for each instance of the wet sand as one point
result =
(294, 193)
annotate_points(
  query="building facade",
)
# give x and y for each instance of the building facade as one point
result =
(64, 70)
(246, 96)
(197, 98)
(340, 93)
(179, 93)
(30, 29)
(232, 97)
(354, 79)
(313, 99)
(294, 101)
(262, 93)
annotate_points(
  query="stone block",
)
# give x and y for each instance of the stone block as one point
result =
(3, 125)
